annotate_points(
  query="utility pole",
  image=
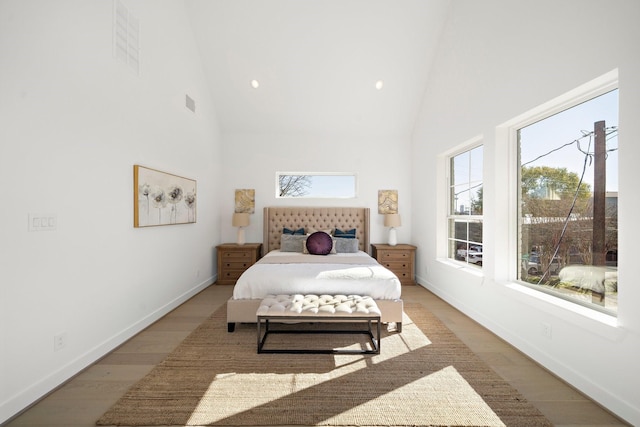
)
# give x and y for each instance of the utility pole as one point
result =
(599, 201)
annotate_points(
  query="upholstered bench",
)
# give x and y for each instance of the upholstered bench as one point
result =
(318, 308)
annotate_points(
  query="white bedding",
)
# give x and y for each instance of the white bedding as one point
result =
(297, 273)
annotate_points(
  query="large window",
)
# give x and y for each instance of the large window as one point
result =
(568, 219)
(465, 207)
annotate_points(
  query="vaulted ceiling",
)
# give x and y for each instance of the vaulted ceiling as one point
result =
(317, 62)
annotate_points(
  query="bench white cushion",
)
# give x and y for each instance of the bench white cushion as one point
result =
(318, 305)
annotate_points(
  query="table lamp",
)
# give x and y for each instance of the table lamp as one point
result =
(240, 220)
(392, 221)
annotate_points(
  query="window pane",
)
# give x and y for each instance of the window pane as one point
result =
(475, 165)
(461, 169)
(462, 200)
(465, 207)
(475, 199)
(568, 203)
(329, 185)
(466, 242)
(460, 230)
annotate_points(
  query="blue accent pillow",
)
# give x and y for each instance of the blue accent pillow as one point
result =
(345, 234)
(319, 243)
(294, 232)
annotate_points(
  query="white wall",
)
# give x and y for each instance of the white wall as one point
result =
(74, 122)
(251, 161)
(499, 59)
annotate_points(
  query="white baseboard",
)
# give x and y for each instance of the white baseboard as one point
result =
(624, 409)
(17, 404)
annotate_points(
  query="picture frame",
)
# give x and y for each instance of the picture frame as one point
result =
(387, 202)
(162, 198)
(245, 201)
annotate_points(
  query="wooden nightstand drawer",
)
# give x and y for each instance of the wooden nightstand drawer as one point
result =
(234, 259)
(229, 275)
(238, 265)
(396, 266)
(394, 256)
(405, 276)
(400, 259)
(236, 256)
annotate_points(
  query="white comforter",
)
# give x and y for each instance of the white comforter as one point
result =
(297, 273)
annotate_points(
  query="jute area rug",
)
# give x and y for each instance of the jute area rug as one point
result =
(424, 376)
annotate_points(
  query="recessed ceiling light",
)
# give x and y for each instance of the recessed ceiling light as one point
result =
(255, 84)
(379, 84)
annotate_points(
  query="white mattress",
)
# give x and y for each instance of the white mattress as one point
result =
(335, 274)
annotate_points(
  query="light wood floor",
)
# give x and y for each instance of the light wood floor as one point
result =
(81, 401)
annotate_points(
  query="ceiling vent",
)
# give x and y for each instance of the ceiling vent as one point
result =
(126, 37)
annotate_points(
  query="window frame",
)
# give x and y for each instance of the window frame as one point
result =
(467, 147)
(317, 174)
(507, 134)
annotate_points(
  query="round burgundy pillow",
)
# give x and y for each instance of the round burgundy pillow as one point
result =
(319, 243)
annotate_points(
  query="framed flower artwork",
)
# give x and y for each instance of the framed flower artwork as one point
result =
(161, 198)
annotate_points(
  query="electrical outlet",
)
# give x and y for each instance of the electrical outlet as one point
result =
(59, 341)
(546, 330)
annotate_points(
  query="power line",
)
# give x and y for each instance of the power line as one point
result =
(568, 217)
(612, 132)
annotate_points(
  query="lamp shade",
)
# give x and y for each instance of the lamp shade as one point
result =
(392, 220)
(240, 219)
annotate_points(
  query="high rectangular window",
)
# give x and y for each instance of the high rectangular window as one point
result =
(316, 185)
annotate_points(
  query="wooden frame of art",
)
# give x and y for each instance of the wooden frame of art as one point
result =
(161, 198)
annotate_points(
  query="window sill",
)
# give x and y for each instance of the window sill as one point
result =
(602, 324)
(476, 271)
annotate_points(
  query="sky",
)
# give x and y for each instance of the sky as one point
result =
(333, 186)
(546, 135)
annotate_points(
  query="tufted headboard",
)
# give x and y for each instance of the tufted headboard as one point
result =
(314, 218)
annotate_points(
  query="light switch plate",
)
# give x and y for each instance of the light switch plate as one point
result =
(42, 222)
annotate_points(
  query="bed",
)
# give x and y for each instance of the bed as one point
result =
(282, 271)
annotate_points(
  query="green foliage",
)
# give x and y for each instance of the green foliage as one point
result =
(476, 202)
(544, 182)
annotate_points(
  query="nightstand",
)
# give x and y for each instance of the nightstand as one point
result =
(400, 259)
(234, 259)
